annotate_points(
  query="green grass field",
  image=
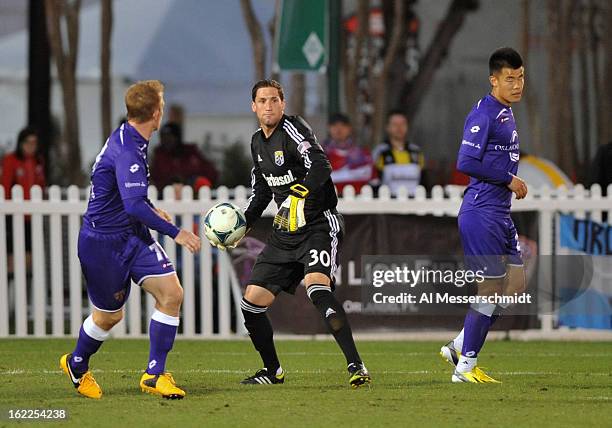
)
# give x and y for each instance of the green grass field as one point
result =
(544, 384)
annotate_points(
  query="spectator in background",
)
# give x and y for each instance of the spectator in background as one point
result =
(351, 164)
(398, 161)
(177, 162)
(24, 167)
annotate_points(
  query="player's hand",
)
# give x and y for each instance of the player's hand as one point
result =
(290, 216)
(163, 214)
(518, 186)
(188, 240)
(226, 247)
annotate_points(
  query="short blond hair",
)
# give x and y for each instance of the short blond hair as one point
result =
(142, 99)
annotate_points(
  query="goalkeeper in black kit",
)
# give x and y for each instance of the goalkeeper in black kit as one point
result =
(291, 167)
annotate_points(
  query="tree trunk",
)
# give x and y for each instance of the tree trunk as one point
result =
(380, 88)
(274, 74)
(533, 113)
(105, 67)
(414, 91)
(298, 93)
(585, 104)
(352, 62)
(606, 107)
(69, 155)
(598, 84)
(560, 13)
(257, 40)
(39, 79)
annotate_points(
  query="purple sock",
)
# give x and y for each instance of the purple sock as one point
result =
(162, 331)
(90, 339)
(476, 326)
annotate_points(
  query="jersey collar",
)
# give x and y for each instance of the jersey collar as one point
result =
(281, 122)
(494, 100)
(135, 137)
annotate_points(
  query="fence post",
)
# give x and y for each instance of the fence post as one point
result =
(57, 265)
(187, 271)
(39, 278)
(76, 286)
(545, 246)
(206, 272)
(4, 305)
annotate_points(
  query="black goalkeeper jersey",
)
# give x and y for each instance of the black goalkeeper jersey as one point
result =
(291, 155)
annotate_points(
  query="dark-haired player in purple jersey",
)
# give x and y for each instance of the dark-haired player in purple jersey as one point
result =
(115, 247)
(489, 155)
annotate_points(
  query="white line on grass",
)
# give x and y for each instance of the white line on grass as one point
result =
(17, 372)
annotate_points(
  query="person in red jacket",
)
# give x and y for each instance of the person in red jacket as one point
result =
(24, 167)
(177, 162)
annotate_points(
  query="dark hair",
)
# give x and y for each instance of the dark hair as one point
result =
(267, 83)
(396, 111)
(21, 137)
(339, 117)
(504, 58)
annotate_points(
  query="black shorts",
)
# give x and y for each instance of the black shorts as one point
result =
(288, 257)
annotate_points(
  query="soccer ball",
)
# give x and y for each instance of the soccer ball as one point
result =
(224, 224)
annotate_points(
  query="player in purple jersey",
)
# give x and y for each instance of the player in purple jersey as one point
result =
(489, 155)
(115, 247)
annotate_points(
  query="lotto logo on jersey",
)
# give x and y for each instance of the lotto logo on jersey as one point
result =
(134, 168)
(274, 181)
(279, 158)
(474, 129)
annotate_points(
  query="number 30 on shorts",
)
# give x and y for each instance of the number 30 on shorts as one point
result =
(317, 257)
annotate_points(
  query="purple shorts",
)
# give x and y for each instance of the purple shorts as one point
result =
(490, 243)
(111, 261)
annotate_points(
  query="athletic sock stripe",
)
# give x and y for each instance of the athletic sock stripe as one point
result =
(249, 307)
(314, 288)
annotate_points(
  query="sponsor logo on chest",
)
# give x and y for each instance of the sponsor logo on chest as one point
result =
(274, 181)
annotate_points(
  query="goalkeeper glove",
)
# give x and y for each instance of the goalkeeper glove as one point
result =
(290, 216)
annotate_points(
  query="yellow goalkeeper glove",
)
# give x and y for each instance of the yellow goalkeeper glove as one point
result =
(290, 216)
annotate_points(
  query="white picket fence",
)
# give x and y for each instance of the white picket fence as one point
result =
(50, 307)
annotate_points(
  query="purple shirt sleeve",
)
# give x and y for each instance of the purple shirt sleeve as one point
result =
(474, 168)
(141, 209)
(475, 136)
(132, 181)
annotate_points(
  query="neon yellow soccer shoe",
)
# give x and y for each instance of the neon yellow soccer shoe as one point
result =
(162, 384)
(476, 375)
(86, 384)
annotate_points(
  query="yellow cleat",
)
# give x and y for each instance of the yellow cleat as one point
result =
(162, 384)
(85, 385)
(474, 376)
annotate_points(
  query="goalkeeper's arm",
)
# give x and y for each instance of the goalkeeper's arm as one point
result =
(261, 195)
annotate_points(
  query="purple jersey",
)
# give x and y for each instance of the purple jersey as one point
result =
(490, 136)
(119, 173)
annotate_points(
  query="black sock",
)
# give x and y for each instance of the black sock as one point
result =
(335, 319)
(260, 330)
